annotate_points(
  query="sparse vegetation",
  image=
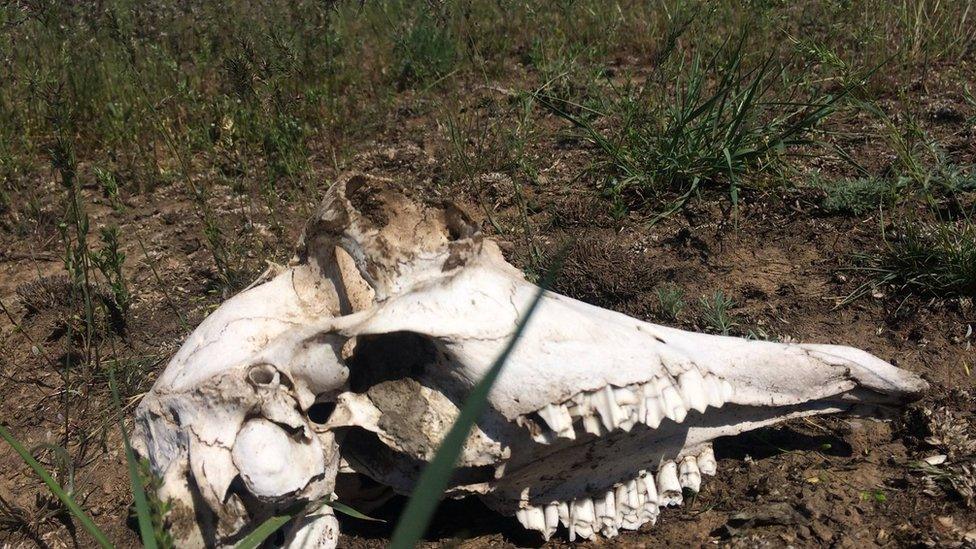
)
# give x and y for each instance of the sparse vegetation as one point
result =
(109, 262)
(721, 121)
(155, 156)
(670, 299)
(715, 312)
(929, 259)
(858, 196)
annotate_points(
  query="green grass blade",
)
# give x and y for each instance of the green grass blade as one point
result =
(273, 524)
(146, 531)
(427, 494)
(263, 532)
(346, 510)
(65, 498)
(63, 456)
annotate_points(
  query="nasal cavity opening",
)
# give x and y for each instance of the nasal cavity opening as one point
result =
(262, 374)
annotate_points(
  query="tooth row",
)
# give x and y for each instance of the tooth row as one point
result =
(626, 506)
(610, 408)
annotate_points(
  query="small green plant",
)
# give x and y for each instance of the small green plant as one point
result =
(715, 312)
(109, 261)
(877, 496)
(931, 259)
(670, 300)
(110, 187)
(857, 196)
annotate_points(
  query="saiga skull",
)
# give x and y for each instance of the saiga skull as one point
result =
(362, 350)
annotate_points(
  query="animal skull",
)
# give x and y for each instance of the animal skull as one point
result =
(358, 355)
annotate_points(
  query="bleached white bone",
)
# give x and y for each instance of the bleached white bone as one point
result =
(389, 313)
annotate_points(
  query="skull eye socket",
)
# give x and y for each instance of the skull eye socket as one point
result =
(262, 374)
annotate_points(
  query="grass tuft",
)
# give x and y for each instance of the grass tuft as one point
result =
(670, 300)
(720, 122)
(857, 196)
(929, 259)
(715, 312)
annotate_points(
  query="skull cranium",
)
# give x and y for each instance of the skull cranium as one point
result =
(360, 352)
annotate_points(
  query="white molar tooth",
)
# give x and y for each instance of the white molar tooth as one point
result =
(713, 390)
(632, 520)
(634, 499)
(584, 511)
(669, 398)
(648, 488)
(606, 405)
(659, 384)
(635, 495)
(650, 514)
(579, 405)
(592, 425)
(679, 413)
(706, 461)
(688, 474)
(633, 416)
(668, 487)
(606, 513)
(649, 508)
(641, 407)
(610, 507)
(628, 506)
(727, 391)
(558, 419)
(651, 502)
(581, 518)
(674, 408)
(599, 508)
(533, 518)
(655, 408)
(624, 396)
(622, 502)
(654, 412)
(605, 509)
(552, 519)
(563, 508)
(692, 386)
(584, 531)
